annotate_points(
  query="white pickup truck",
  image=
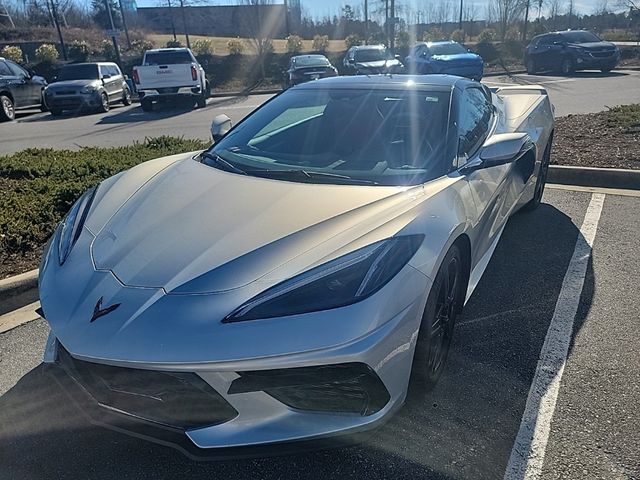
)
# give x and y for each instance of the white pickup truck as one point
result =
(168, 74)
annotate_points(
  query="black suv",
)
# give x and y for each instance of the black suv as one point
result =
(18, 89)
(569, 51)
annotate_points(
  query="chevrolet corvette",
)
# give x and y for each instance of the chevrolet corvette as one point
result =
(296, 279)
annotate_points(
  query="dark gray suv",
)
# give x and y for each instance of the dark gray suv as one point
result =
(19, 88)
(92, 86)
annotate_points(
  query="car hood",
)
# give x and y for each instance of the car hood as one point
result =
(379, 64)
(192, 228)
(458, 58)
(73, 83)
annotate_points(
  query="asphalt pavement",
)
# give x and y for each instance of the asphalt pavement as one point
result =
(583, 92)
(466, 427)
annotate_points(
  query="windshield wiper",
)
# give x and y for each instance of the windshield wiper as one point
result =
(310, 175)
(221, 162)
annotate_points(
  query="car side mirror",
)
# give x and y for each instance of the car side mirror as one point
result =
(397, 57)
(106, 77)
(220, 127)
(505, 148)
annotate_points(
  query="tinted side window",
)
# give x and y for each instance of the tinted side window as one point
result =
(4, 70)
(113, 70)
(17, 70)
(548, 40)
(473, 122)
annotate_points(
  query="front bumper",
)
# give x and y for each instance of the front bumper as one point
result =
(295, 398)
(589, 61)
(72, 102)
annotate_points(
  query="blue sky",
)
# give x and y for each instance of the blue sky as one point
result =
(320, 8)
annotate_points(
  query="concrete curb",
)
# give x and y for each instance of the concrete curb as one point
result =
(594, 177)
(14, 286)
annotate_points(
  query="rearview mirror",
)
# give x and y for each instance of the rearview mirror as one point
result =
(505, 148)
(220, 126)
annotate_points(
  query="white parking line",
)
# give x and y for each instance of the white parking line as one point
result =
(527, 455)
(19, 317)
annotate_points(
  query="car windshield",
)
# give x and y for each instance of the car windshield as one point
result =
(79, 72)
(580, 37)
(310, 61)
(372, 55)
(168, 58)
(341, 136)
(446, 49)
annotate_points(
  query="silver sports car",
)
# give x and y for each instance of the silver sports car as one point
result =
(296, 279)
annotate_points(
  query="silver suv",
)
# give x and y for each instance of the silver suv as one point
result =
(92, 86)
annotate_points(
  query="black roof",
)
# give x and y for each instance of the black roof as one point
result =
(433, 82)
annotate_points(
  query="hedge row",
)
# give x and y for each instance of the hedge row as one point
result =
(38, 186)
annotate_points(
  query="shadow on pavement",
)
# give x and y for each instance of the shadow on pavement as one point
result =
(464, 428)
(136, 114)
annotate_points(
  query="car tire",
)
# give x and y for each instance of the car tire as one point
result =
(207, 90)
(606, 70)
(104, 103)
(55, 112)
(7, 108)
(126, 97)
(531, 66)
(567, 67)
(146, 104)
(541, 180)
(201, 101)
(43, 105)
(444, 303)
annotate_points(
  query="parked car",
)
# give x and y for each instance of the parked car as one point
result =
(87, 86)
(170, 74)
(371, 59)
(289, 282)
(19, 88)
(303, 68)
(569, 51)
(448, 57)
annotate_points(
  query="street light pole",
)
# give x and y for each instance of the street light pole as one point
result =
(184, 23)
(54, 12)
(366, 21)
(124, 24)
(114, 38)
(460, 20)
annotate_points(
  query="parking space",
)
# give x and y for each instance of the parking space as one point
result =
(466, 427)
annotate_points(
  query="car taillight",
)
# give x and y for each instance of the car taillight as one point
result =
(136, 77)
(194, 73)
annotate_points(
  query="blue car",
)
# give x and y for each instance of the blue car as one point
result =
(449, 58)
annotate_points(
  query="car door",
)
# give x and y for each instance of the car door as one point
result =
(32, 90)
(17, 85)
(551, 49)
(107, 81)
(489, 186)
(118, 81)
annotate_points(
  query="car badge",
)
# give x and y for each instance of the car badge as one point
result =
(98, 311)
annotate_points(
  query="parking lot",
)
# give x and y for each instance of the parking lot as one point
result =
(583, 92)
(467, 426)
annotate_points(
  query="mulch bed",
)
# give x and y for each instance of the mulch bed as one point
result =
(589, 140)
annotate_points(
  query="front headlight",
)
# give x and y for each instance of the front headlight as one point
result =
(88, 89)
(338, 283)
(72, 224)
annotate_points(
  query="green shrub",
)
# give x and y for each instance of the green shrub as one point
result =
(174, 44)
(457, 36)
(79, 51)
(202, 47)
(320, 43)
(47, 53)
(38, 186)
(236, 47)
(512, 34)
(487, 35)
(140, 46)
(352, 40)
(108, 51)
(294, 44)
(12, 52)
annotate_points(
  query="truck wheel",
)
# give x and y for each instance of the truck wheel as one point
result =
(146, 104)
(531, 66)
(55, 112)
(7, 109)
(201, 102)
(207, 90)
(567, 67)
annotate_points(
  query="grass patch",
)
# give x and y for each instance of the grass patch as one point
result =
(625, 117)
(38, 186)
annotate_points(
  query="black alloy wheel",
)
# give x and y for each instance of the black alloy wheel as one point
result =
(567, 67)
(436, 330)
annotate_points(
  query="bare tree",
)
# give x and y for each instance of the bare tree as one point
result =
(506, 13)
(554, 12)
(262, 23)
(570, 12)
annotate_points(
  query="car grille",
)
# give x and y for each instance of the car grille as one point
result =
(602, 53)
(180, 400)
(66, 92)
